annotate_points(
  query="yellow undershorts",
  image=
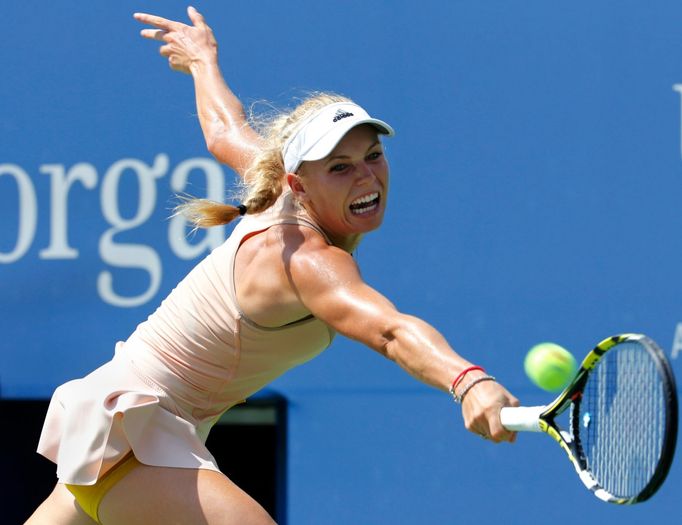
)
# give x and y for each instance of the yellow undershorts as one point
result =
(90, 496)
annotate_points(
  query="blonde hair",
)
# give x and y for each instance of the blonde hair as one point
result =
(265, 175)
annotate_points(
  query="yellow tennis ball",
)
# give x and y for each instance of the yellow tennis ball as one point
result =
(550, 366)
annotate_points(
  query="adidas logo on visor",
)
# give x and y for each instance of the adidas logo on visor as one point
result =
(341, 114)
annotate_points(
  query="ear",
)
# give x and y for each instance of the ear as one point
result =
(296, 185)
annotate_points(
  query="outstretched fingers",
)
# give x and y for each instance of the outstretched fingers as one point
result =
(154, 34)
(156, 21)
(195, 16)
(164, 26)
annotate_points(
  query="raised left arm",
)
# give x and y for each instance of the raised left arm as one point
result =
(193, 49)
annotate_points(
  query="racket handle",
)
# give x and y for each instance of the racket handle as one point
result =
(521, 419)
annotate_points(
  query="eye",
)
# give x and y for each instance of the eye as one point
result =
(338, 168)
(375, 155)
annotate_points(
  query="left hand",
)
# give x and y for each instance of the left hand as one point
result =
(185, 45)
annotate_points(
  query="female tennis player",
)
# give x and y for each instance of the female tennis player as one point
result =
(128, 439)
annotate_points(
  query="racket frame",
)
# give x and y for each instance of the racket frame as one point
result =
(542, 418)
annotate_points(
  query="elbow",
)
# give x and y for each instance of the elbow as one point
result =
(215, 136)
(393, 337)
(218, 147)
(385, 348)
(213, 145)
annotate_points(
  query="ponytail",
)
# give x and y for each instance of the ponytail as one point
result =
(204, 213)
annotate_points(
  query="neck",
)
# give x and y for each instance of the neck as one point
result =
(348, 244)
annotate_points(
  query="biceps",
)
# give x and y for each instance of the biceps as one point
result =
(328, 283)
(359, 312)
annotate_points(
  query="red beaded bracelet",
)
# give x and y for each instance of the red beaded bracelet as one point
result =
(461, 376)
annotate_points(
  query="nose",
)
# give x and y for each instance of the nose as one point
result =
(365, 173)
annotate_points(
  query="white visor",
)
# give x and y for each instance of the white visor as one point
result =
(319, 134)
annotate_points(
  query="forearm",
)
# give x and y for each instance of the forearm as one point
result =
(223, 121)
(423, 352)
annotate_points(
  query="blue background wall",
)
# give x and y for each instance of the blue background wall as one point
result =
(537, 181)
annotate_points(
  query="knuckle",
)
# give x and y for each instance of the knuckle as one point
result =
(497, 436)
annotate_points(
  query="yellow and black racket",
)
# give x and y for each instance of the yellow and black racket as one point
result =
(622, 423)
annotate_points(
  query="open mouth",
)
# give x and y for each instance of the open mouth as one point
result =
(365, 204)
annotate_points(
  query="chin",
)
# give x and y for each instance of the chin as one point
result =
(372, 225)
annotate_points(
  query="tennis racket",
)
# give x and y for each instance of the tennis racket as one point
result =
(622, 422)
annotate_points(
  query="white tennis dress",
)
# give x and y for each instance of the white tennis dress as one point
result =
(196, 356)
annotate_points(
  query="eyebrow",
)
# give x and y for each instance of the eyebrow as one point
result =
(348, 156)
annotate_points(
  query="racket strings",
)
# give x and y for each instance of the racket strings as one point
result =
(622, 420)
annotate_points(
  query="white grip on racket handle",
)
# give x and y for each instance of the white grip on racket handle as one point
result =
(521, 419)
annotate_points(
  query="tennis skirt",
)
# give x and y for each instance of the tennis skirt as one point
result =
(93, 422)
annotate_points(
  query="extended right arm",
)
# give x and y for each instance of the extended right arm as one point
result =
(328, 283)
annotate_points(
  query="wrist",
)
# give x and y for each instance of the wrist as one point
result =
(465, 372)
(466, 380)
(204, 64)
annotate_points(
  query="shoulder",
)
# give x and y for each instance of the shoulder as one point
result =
(302, 241)
(310, 261)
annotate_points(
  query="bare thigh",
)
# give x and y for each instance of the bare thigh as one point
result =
(150, 495)
(60, 508)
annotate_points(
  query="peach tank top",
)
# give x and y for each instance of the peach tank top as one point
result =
(201, 349)
(196, 356)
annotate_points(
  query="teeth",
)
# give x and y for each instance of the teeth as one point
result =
(365, 199)
(365, 209)
(365, 204)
